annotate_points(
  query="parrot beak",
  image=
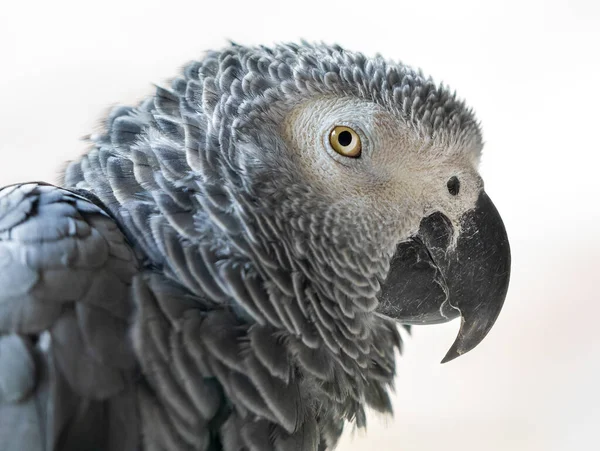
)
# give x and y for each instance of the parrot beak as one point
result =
(435, 277)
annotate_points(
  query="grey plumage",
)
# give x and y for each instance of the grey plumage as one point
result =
(64, 357)
(188, 288)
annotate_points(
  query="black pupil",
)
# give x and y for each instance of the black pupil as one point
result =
(345, 138)
(453, 185)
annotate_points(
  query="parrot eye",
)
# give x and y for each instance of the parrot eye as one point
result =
(453, 185)
(345, 141)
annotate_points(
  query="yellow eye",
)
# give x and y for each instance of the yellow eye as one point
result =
(345, 141)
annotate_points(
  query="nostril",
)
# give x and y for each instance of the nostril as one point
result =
(453, 185)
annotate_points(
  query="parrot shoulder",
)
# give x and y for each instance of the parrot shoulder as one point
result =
(65, 307)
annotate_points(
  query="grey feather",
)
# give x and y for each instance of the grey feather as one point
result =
(17, 368)
(63, 251)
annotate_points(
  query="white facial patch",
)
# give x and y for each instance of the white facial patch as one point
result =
(399, 174)
(308, 127)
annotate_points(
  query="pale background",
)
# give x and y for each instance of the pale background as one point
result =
(531, 69)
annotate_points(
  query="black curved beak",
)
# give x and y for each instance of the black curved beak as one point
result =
(435, 277)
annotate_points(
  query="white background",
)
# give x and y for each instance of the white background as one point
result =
(531, 70)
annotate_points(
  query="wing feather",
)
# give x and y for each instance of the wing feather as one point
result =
(66, 363)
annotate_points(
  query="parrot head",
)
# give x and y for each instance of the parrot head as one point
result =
(411, 201)
(360, 176)
(310, 199)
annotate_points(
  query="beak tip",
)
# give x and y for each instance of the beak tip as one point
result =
(472, 332)
(451, 355)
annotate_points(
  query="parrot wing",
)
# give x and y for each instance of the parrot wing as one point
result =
(66, 366)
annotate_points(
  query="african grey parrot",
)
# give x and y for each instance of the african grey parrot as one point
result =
(226, 266)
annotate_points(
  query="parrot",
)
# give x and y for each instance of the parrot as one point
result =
(229, 264)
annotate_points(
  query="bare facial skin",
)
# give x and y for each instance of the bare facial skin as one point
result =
(396, 168)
